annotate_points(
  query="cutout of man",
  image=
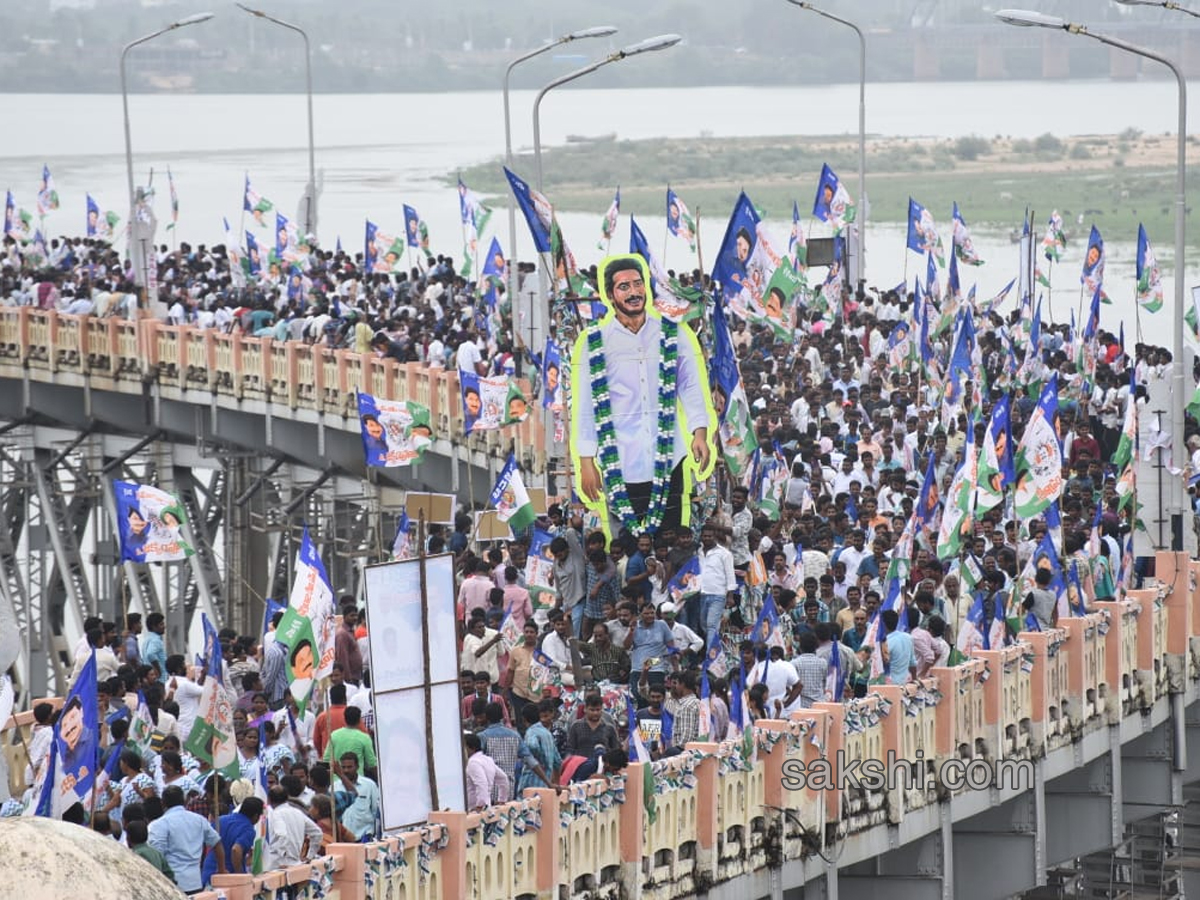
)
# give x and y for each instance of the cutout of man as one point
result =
(631, 337)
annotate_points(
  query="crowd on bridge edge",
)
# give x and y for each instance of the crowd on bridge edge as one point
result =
(854, 431)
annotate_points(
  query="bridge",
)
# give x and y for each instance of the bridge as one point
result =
(1100, 712)
(256, 434)
(256, 437)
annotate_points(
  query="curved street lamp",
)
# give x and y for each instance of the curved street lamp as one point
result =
(1026, 18)
(310, 192)
(1162, 4)
(660, 42)
(593, 32)
(862, 133)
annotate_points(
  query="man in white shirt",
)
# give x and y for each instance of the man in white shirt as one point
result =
(685, 638)
(718, 584)
(294, 837)
(468, 358)
(556, 645)
(186, 693)
(783, 684)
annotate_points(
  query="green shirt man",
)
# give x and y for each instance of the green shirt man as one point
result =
(352, 740)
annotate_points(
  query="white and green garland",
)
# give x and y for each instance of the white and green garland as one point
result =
(664, 453)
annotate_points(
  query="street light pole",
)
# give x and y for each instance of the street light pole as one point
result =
(182, 23)
(1178, 399)
(1163, 4)
(595, 31)
(661, 42)
(862, 135)
(310, 192)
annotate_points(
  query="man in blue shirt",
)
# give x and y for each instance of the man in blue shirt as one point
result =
(237, 839)
(357, 799)
(897, 649)
(154, 651)
(636, 573)
(181, 836)
(649, 643)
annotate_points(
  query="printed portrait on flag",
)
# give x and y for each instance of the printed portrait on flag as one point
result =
(149, 521)
(643, 424)
(394, 432)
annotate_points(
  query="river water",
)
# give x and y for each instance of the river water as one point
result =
(377, 151)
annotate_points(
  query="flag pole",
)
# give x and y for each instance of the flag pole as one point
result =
(429, 757)
(699, 251)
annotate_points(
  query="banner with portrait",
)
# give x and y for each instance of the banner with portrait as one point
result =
(491, 403)
(150, 524)
(307, 626)
(394, 432)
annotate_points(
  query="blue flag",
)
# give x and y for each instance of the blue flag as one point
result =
(213, 661)
(916, 234)
(836, 683)
(927, 500)
(412, 225)
(531, 203)
(1093, 321)
(668, 729)
(75, 751)
(493, 272)
(960, 369)
(282, 235)
(552, 386)
(741, 235)
(253, 255)
(1092, 276)
(369, 251)
(93, 217)
(766, 626)
(686, 581)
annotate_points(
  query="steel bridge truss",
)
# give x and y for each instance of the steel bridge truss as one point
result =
(60, 551)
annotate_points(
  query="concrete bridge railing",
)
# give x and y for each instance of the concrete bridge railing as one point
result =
(275, 378)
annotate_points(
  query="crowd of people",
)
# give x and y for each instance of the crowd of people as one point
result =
(305, 778)
(548, 678)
